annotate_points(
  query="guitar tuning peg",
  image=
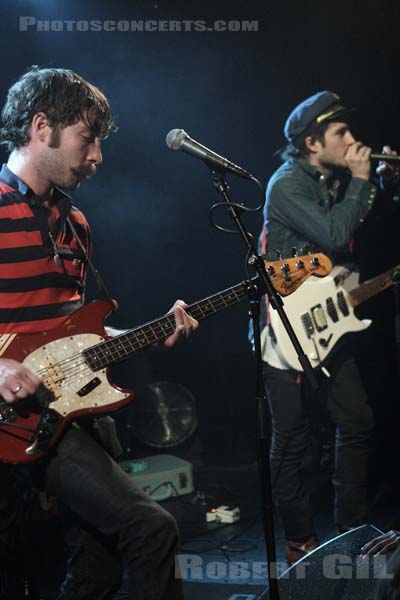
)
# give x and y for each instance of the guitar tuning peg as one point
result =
(278, 254)
(294, 251)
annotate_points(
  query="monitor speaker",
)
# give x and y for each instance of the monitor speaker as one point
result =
(334, 571)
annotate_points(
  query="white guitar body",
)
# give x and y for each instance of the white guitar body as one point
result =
(320, 312)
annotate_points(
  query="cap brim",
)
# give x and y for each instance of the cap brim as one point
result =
(333, 114)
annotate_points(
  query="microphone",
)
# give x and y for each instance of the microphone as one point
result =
(386, 157)
(178, 139)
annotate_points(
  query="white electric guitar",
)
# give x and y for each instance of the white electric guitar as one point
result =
(321, 311)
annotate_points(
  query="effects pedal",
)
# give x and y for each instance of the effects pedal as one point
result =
(223, 514)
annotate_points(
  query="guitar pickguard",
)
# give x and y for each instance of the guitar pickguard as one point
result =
(65, 373)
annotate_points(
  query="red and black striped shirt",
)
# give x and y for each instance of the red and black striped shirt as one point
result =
(38, 292)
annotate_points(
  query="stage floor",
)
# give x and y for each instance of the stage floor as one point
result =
(221, 561)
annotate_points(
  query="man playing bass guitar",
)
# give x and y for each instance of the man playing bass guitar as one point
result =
(53, 123)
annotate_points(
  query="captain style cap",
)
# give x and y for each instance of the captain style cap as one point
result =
(321, 107)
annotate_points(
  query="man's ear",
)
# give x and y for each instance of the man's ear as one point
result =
(311, 145)
(40, 127)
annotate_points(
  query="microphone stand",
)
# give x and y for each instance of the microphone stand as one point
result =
(263, 441)
(396, 288)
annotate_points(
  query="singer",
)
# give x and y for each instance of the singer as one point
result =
(320, 196)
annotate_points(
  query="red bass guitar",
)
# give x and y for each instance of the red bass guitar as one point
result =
(72, 362)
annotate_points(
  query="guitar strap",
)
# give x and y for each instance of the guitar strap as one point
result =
(102, 428)
(99, 281)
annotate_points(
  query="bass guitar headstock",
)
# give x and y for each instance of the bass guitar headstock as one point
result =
(288, 274)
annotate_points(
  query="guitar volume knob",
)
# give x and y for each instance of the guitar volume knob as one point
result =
(285, 267)
(300, 264)
(8, 414)
(315, 261)
(270, 270)
(50, 417)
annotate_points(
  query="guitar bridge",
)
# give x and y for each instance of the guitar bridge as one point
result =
(53, 377)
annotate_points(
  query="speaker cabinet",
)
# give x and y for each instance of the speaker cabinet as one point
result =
(334, 571)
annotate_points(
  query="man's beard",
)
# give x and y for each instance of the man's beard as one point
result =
(83, 172)
(71, 178)
(338, 169)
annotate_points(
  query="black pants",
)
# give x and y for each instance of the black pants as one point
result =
(345, 399)
(114, 525)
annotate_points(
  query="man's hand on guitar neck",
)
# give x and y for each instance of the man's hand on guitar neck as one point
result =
(185, 324)
(16, 381)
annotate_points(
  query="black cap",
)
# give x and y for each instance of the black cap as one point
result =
(319, 108)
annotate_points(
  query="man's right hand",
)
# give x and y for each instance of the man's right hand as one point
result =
(358, 160)
(16, 381)
(382, 544)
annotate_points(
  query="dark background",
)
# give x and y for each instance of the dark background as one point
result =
(148, 207)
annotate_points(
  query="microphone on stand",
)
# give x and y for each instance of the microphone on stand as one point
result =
(178, 139)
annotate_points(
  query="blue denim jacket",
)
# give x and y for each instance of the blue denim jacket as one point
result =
(301, 210)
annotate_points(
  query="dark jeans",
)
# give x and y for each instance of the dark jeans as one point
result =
(118, 525)
(345, 400)
(114, 525)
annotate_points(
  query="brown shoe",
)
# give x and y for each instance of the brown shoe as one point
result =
(297, 550)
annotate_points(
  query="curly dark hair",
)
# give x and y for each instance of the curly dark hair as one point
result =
(64, 96)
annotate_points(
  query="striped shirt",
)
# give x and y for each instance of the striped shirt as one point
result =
(42, 274)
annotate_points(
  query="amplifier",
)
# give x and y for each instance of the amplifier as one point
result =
(161, 476)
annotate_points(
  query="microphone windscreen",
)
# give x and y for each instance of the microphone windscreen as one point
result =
(175, 138)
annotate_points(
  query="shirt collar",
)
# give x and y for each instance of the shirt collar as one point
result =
(310, 169)
(60, 198)
(15, 182)
(333, 183)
